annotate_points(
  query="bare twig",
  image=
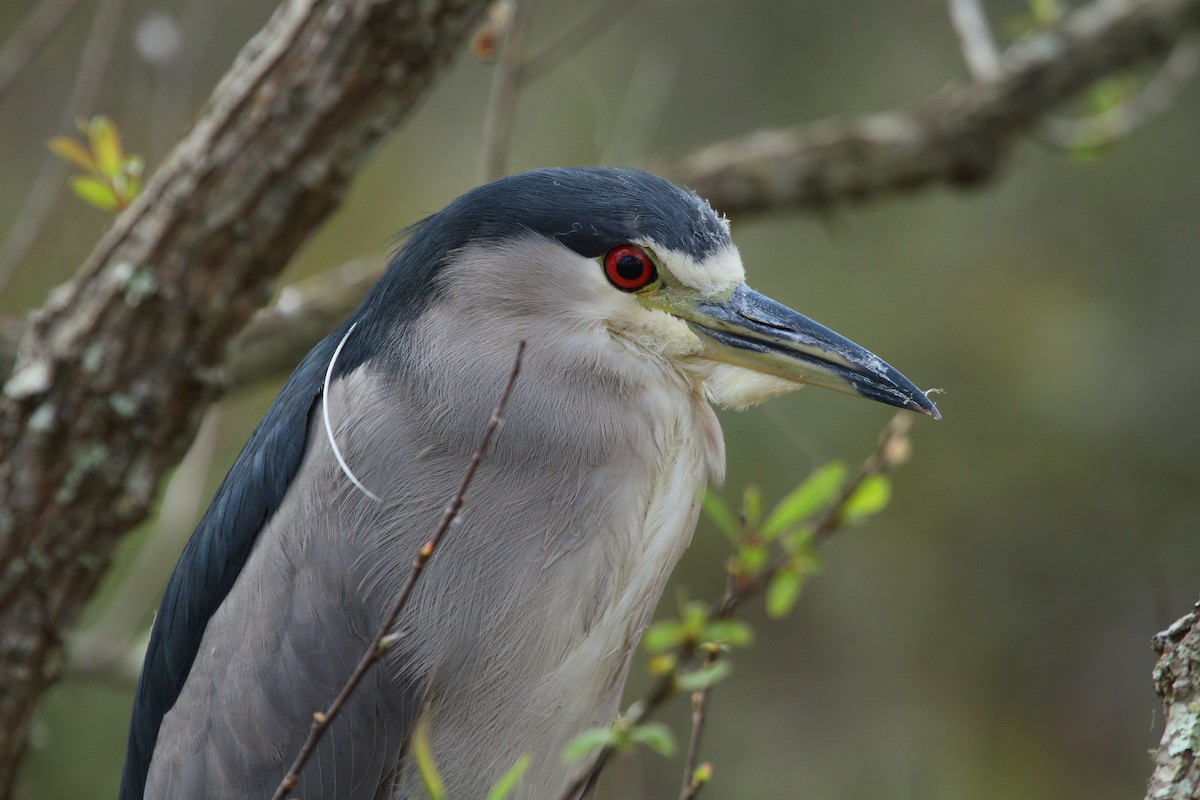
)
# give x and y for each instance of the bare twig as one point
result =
(645, 101)
(278, 336)
(691, 786)
(975, 36)
(1158, 94)
(894, 448)
(382, 641)
(31, 35)
(1155, 97)
(497, 124)
(602, 16)
(106, 25)
(304, 313)
(959, 138)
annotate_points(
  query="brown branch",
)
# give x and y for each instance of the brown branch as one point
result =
(278, 336)
(587, 30)
(117, 369)
(506, 81)
(382, 641)
(691, 786)
(975, 38)
(1154, 98)
(1176, 773)
(893, 449)
(959, 138)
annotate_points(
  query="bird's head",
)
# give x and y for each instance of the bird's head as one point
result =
(606, 262)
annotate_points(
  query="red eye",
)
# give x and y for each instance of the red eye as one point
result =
(629, 268)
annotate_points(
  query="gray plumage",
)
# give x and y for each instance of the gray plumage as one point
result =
(520, 632)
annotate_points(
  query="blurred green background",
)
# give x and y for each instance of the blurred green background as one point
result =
(988, 635)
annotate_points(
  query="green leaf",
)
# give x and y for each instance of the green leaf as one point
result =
(817, 491)
(662, 664)
(504, 787)
(656, 736)
(704, 677)
(663, 635)
(721, 515)
(95, 193)
(751, 557)
(798, 541)
(589, 742)
(752, 506)
(106, 145)
(871, 497)
(729, 631)
(695, 619)
(70, 150)
(783, 592)
(435, 787)
(1107, 94)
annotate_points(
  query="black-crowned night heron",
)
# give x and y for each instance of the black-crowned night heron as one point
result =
(632, 299)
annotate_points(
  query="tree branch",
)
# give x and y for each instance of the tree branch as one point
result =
(959, 138)
(116, 370)
(1176, 773)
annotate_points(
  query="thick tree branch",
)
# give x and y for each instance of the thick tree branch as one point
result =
(958, 138)
(116, 371)
(1176, 773)
(278, 336)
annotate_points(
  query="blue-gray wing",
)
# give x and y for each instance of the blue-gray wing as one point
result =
(259, 628)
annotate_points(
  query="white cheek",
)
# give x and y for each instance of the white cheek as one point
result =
(655, 332)
(738, 388)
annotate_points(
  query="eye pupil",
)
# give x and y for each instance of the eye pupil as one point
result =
(630, 267)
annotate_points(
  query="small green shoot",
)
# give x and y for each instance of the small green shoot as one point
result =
(435, 787)
(816, 492)
(868, 499)
(113, 179)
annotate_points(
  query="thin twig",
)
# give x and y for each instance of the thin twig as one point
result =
(586, 30)
(28, 39)
(106, 25)
(958, 138)
(975, 37)
(1096, 130)
(497, 124)
(700, 698)
(383, 638)
(1157, 95)
(893, 449)
(638, 117)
